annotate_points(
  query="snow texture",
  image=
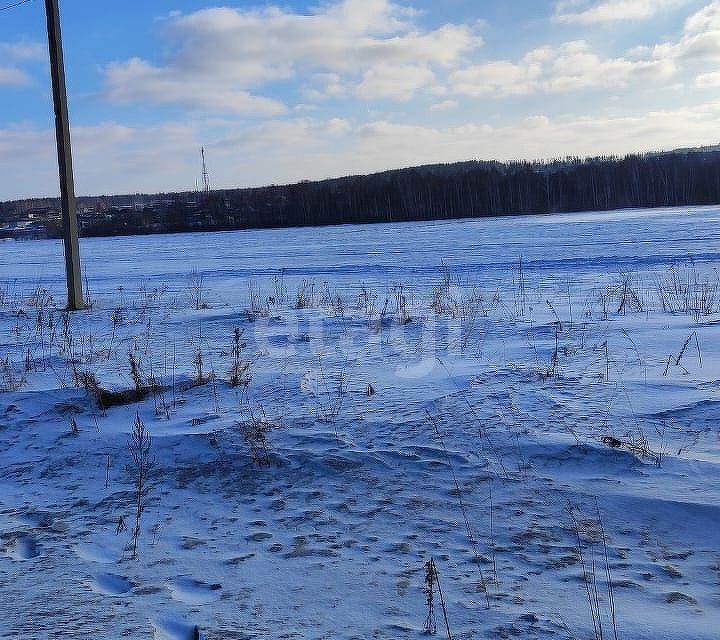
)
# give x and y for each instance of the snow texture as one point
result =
(531, 402)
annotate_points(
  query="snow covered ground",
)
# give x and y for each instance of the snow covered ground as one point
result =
(531, 402)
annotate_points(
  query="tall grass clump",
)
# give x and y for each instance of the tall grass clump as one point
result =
(239, 368)
(683, 290)
(432, 584)
(594, 559)
(141, 465)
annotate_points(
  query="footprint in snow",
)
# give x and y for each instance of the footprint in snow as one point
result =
(97, 553)
(175, 629)
(23, 548)
(110, 584)
(191, 591)
(36, 520)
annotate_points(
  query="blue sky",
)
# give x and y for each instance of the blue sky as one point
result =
(280, 92)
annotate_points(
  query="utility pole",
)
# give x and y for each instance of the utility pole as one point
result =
(62, 133)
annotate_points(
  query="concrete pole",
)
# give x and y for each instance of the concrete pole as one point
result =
(62, 133)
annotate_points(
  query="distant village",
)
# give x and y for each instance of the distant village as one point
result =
(36, 219)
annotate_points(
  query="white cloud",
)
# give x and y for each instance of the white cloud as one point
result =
(127, 159)
(337, 126)
(23, 141)
(301, 133)
(574, 66)
(138, 81)
(13, 53)
(13, 77)
(581, 12)
(218, 57)
(445, 105)
(499, 78)
(384, 144)
(706, 19)
(708, 80)
(387, 144)
(254, 45)
(569, 67)
(23, 51)
(536, 122)
(394, 81)
(699, 42)
(107, 158)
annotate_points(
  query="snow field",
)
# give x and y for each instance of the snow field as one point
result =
(469, 419)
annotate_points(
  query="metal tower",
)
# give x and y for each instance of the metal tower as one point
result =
(205, 176)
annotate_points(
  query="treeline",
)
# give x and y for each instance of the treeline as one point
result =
(477, 189)
(432, 192)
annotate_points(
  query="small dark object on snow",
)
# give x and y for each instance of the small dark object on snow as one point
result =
(196, 633)
(612, 442)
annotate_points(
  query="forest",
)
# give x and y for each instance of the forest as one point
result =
(475, 189)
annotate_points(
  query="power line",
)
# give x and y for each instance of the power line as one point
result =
(14, 4)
